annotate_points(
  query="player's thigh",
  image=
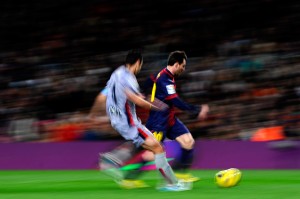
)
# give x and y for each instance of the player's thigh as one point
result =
(181, 134)
(177, 130)
(150, 142)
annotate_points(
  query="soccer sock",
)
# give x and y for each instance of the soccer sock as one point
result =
(164, 168)
(184, 161)
(187, 157)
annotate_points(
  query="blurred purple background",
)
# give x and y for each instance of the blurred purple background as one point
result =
(214, 154)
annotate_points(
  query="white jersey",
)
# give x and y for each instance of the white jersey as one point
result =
(121, 111)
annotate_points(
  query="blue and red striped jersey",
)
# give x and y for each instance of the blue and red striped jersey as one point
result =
(164, 89)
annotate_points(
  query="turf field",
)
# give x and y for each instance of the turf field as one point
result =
(91, 184)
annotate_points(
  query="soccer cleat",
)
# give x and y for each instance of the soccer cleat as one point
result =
(132, 184)
(187, 177)
(180, 186)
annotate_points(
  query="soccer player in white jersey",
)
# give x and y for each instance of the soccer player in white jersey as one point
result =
(122, 96)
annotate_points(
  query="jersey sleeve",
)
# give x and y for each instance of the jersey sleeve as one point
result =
(182, 105)
(104, 91)
(169, 89)
(132, 84)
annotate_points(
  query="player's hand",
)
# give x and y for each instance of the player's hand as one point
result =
(204, 112)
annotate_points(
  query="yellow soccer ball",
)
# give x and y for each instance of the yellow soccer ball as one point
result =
(228, 178)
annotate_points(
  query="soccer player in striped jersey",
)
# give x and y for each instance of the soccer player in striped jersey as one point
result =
(164, 124)
(122, 96)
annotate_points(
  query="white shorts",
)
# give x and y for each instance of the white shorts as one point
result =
(137, 133)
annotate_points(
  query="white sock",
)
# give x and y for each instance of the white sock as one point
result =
(164, 168)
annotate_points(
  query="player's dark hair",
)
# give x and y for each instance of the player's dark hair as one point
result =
(176, 56)
(133, 56)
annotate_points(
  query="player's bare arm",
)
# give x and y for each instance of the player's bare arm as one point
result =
(98, 106)
(139, 101)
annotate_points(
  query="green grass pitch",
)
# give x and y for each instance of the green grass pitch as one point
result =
(92, 184)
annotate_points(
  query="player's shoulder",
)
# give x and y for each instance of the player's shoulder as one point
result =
(120, 70)
(165, 79)
(123, 75)
(162, 75)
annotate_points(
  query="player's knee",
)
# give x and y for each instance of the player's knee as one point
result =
(148, 156)
(158, 148)
(153, 145)
(188, 144)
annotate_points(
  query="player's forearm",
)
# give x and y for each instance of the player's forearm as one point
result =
(139, 101)
(145, 104)
(94, 110)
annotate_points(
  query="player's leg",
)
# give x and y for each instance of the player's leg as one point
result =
(111, 161)
(116, 164)
(133, 171)
(160, 159)
(181, 134)
(142, 158)
(162, 165)
(186, 142)
(137, 162)
(184, 162)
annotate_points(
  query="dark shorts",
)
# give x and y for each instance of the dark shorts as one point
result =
(171, 132)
